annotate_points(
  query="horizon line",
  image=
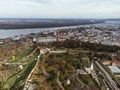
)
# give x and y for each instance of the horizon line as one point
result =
(11, 18)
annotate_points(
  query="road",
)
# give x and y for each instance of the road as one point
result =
(112, 84)
(27, 84)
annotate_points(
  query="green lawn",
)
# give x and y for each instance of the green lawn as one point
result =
(15, 82)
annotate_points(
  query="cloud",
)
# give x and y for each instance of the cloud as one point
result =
(60, 8)
(37, 1)
(41, 1)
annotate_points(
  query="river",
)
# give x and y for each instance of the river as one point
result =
(13, 32)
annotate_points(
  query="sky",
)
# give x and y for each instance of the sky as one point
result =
(60, 8)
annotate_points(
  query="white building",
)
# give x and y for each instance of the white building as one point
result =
(114, 69)
(34, 39)
(46, 39)
(1, 42)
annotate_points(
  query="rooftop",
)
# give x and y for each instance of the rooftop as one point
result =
(114, 69)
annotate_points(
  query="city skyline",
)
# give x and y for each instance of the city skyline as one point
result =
(59, 9)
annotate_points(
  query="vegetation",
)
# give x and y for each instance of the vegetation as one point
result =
(33, 23)
(66, 65)
(54, 70)
(86, 46)
(17, 81)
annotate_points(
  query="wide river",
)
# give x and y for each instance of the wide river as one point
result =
(13, 32)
